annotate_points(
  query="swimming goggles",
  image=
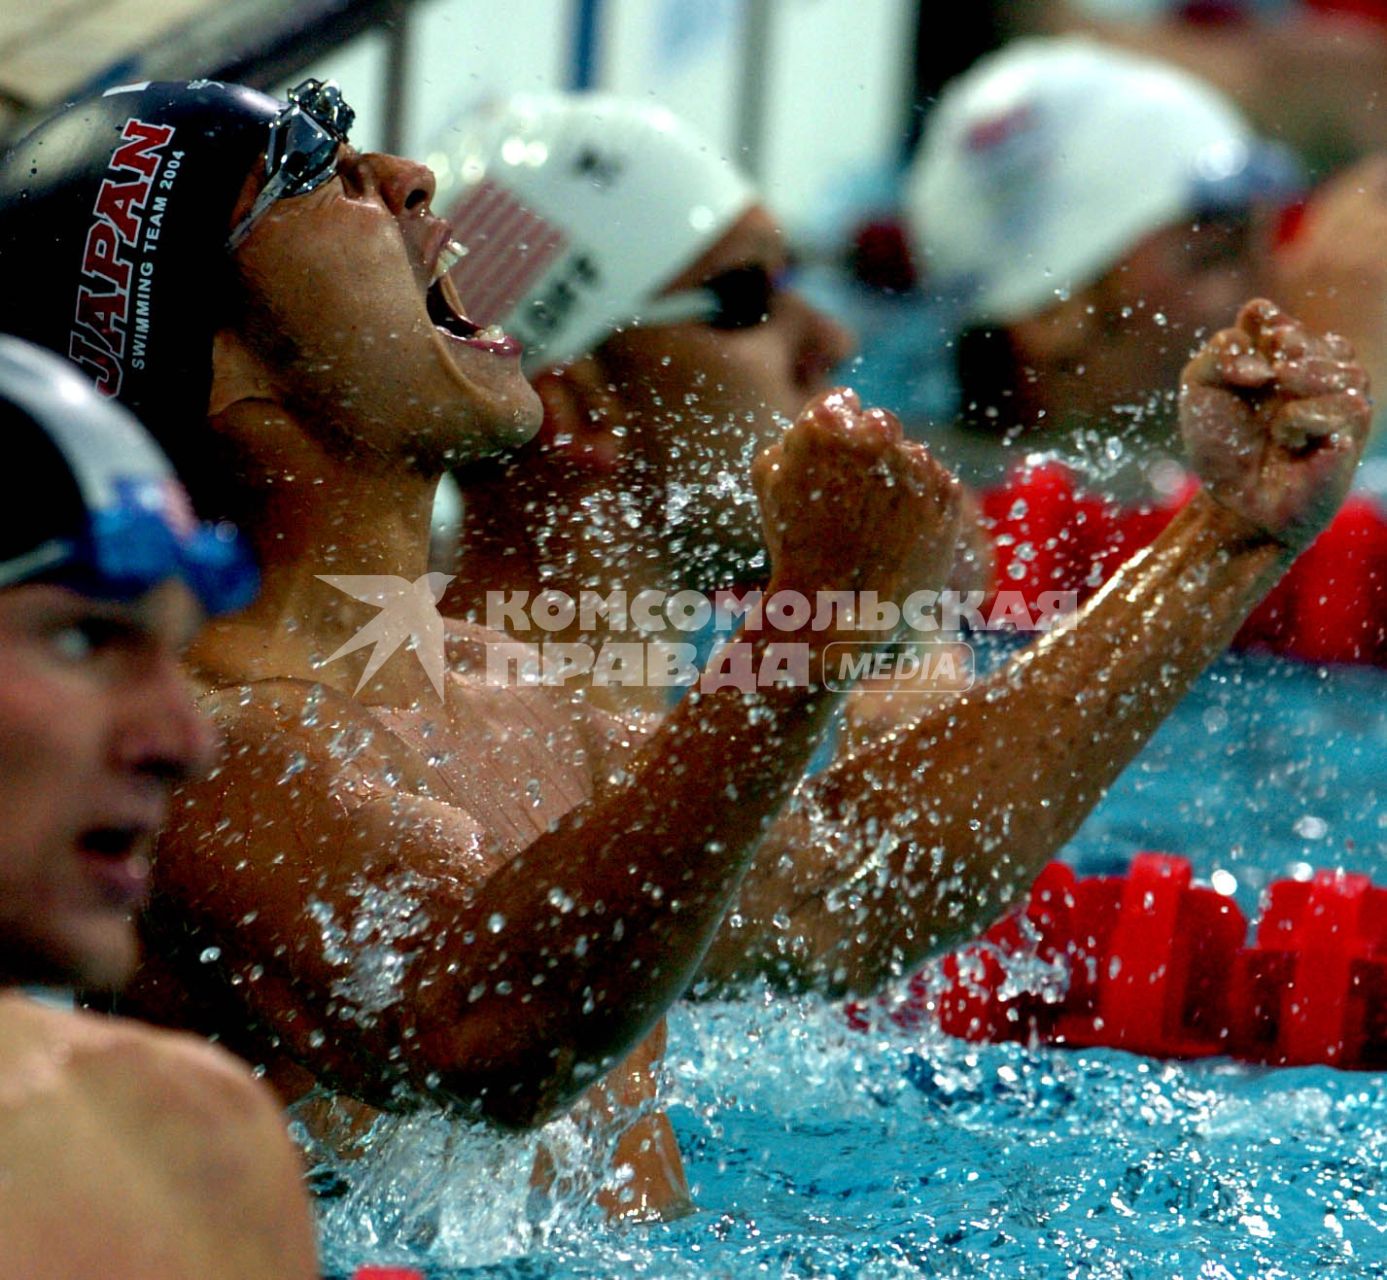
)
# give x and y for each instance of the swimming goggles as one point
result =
(131, 547)
(302, 151)
(739, 298)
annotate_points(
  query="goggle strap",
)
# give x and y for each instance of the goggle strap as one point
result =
(677, 308)
(47, 555)
(269, 193)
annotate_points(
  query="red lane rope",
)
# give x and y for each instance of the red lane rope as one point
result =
(1331, 606)
(1161, 966)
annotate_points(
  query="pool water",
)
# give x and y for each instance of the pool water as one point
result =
(816, 1151)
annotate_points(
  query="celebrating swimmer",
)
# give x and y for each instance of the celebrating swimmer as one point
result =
(546, 879)
(681, 355)
(548, 884)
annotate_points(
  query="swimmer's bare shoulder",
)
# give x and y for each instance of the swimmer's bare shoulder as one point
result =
(318, 806)
(312, 809)
(136, 1154)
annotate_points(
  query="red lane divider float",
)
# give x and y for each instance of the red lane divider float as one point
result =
(387, 1273)
(1161, 966)
(1331, 606)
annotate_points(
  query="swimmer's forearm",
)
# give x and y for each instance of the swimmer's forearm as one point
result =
(977, 795)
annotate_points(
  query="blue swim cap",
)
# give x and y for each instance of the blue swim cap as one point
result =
(106, 516)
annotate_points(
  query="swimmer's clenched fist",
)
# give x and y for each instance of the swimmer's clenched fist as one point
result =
(1274, 419)
(847, 504)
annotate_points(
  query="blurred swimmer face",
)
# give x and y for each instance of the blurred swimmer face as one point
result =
(97, 723)
(707, 396)
(345, 290)
(1177, 287)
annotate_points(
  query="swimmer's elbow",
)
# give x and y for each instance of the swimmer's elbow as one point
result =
(496, 1080)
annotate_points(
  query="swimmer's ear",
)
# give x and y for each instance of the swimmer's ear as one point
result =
(237, 374)
(255, 436)
(583, 418)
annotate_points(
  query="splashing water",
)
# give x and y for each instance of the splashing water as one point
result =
(816, 1150)
(427, 1187)
(715, 492)
(370, 948)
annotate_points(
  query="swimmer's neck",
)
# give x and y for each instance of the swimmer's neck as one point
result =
(344, 522)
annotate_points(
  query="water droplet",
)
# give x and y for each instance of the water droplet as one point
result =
(1224, 882)
(1311, 828)
(297, 763)
(1215, 719)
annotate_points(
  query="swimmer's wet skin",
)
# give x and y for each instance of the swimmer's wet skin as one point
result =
(127, 1153)
(906, 1152)
(919, 838)
(455, 835)
(542, 898)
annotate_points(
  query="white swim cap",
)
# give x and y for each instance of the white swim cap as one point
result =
(1047, 161)
(576, 210)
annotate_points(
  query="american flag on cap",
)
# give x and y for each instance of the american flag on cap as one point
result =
(509, 247)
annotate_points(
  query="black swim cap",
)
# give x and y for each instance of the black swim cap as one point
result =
(105, 514)
(118, 209)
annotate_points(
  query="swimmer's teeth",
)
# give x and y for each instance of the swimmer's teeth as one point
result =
(452, 254)
(492, 333)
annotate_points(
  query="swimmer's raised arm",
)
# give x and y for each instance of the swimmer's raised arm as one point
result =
(337, 889)
(940, 824)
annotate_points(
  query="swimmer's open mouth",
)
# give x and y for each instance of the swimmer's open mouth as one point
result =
(445, 309)
(448, 315)
(116, 859)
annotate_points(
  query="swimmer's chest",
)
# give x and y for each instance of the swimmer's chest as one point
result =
(513, 758)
